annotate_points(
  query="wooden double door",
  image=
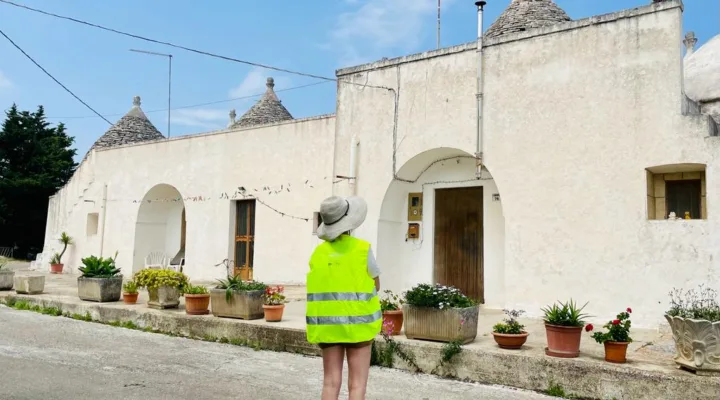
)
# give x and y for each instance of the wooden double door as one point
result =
(458, 244)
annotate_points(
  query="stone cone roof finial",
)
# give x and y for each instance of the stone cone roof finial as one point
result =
(690, 42)
(136, 101)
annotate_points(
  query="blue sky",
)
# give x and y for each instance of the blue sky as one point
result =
(314, 36)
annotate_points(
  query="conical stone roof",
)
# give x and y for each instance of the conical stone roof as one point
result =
(523, 15)
(267, 110)
(133, 127)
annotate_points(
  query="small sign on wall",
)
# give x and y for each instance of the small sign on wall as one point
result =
(496, 197)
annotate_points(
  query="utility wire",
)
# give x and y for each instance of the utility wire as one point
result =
(199, 104)
(132, 35)
(52, 77)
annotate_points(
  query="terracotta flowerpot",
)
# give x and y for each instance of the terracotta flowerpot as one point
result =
(273, 313)
(563, 341)
(616, 352)
(396, 318)
(197, 304)
(510, 341)
(130, 298)
(56, 268)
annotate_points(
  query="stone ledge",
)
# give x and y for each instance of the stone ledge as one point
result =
(582, 377)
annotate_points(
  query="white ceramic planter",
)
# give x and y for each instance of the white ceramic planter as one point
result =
(441, 325)
(697, 344)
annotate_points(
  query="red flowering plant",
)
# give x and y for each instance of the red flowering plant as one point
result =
(618, 329)
(274, 296)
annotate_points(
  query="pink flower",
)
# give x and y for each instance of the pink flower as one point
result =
(588, 327)
(629, 310)
(462, 322)
(616, 322)
(388, 327)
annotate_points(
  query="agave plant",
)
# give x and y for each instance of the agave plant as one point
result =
(236, 284)
(565, 314)
(99, 267)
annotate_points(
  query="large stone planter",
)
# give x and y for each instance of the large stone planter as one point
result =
(244, 305)
(441, 325)
(100, 289)
(6, 279)
(164, 297)
(697, 344)
(29, 284)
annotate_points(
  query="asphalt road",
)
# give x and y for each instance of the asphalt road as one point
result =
(53, 358)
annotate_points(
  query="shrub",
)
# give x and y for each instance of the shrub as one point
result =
(565, 314)
(130, 287)
(437, 296)
(618, 329)
(154, 278)
(236, 284)
(510, 326)
(99, 267)
(391, 301)
(192, 289)
(695, 304)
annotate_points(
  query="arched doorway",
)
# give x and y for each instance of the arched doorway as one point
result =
(439, 223)
(160, 225)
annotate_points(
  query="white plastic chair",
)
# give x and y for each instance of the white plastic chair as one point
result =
(156, 260)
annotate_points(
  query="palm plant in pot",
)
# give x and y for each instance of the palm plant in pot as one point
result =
(510, 334)
(563, 324)
(616, 339)
(56, 265)
(130, 292)
(164, 286)
(100, 280)
(6, 275)
(197, 300)
(392, 313)
(273, 303)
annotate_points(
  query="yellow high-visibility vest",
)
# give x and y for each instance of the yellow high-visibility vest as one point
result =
(342, 303)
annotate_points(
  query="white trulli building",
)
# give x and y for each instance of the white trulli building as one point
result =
(586, 137)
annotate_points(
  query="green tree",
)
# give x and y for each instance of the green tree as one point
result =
(36, 160)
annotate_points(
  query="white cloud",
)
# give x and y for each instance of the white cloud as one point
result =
(5, 82)
(201, 117)
(380, 25)
(254, 82)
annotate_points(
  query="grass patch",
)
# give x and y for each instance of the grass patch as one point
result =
(556, 390)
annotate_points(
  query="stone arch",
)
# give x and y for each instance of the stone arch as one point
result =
(406, 262)
(160, 224)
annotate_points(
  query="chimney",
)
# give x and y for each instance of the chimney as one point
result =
(232, 118)
(690, 42)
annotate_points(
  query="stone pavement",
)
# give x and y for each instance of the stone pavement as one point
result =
(650, 373)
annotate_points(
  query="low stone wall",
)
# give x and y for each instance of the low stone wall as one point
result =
(581, 378)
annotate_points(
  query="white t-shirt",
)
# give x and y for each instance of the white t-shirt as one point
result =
(373, 268)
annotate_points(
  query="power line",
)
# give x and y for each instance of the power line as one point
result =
(52, 77)
(132, 35)
(199, 104)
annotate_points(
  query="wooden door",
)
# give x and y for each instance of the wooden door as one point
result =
(459, 240)
(183, 230)
(244, 238)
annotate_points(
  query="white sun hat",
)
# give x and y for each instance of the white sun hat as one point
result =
(340, 215)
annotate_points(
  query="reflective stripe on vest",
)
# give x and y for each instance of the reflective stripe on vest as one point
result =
(342, 303)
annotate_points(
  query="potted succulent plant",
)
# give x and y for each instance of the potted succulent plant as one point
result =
(563, 324)
(56, 265)
(616, 339)
(6, 275)
(510, 334)
(235, 298)
(391, 306)
(694, 317)
(433, 312)
(130, 292)
(197, 300)
(274, 303)
(100, 280)
(164, 286)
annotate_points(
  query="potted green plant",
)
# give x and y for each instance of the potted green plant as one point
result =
(694, 317)
(235, 298)
(273, 303)
(100, 280)
(197, 300)
(164, 286)
(130, 292)
(392, 313)
(563, 324)
(6, 275)
(510, 334)
(616, 339)
(56, 265)
(433, 312)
